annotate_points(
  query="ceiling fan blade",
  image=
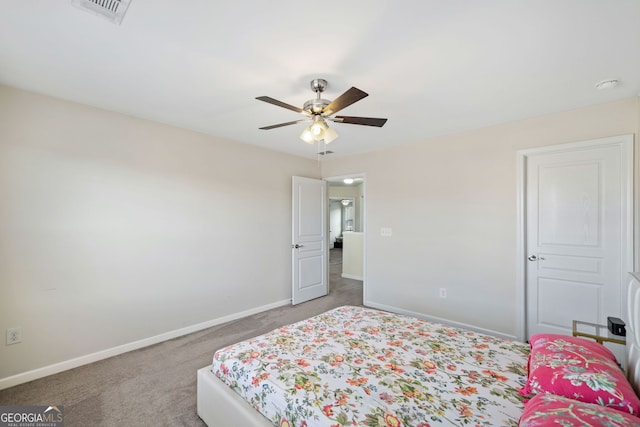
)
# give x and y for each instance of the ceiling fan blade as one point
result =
(279, 125)
(366, 121)
(349, 97)
(270, 100)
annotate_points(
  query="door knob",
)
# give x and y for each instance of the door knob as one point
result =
(535, 258)
(297, 246)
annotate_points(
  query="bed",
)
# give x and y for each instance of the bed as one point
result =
(355, 365)
(360, 366)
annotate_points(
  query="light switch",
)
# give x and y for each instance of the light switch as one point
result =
(385, 231)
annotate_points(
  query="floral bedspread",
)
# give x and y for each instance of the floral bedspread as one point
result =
(354, 366)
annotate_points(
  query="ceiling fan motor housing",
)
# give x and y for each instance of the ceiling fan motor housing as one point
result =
(315, 106)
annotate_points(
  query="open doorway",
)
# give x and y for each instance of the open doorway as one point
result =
(346, 232)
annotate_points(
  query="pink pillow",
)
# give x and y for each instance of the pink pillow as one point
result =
(579, 369)
(551, 410)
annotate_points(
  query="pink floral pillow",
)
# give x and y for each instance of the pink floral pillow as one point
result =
(551, 410)
(579, 369)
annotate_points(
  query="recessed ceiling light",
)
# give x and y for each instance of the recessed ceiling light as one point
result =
(348, 180)
(607, 84)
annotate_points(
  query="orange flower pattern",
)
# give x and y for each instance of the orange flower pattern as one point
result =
(355, 366)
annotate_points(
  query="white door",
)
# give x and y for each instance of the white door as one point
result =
(309, 239)
(578, 233)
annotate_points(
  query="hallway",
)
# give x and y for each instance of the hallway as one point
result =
(337, 283)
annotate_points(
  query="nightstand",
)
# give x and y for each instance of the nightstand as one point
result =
(599, 333)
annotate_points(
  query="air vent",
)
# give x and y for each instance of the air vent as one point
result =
(324, 153)
(112, 10)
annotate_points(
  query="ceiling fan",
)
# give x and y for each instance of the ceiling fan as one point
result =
(318, 111)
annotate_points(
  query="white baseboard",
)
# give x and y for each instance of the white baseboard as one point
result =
(439, 320)
(114, 351)
(351, 276)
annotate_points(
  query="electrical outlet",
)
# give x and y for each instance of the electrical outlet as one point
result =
(443, 292)
(14, 335)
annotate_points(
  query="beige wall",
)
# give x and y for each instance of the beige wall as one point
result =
(353, 255)
(451, 203)
(115, 229)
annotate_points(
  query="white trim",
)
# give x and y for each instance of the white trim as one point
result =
(114, 351)
(440, 320)
(521, 302)
(364, 236)
(352, 276)
(626, 144)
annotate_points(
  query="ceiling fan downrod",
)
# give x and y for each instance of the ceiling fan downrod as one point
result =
(316, 106)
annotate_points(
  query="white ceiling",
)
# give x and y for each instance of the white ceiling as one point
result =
(431, 67)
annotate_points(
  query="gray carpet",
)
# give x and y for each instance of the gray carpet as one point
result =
(156, 385)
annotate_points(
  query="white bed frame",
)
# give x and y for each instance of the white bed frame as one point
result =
(220, 406)
(633, 332)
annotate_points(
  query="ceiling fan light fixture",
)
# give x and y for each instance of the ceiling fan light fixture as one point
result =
(317, 130)
(318, 127)
(329, 135)
(307, 135)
